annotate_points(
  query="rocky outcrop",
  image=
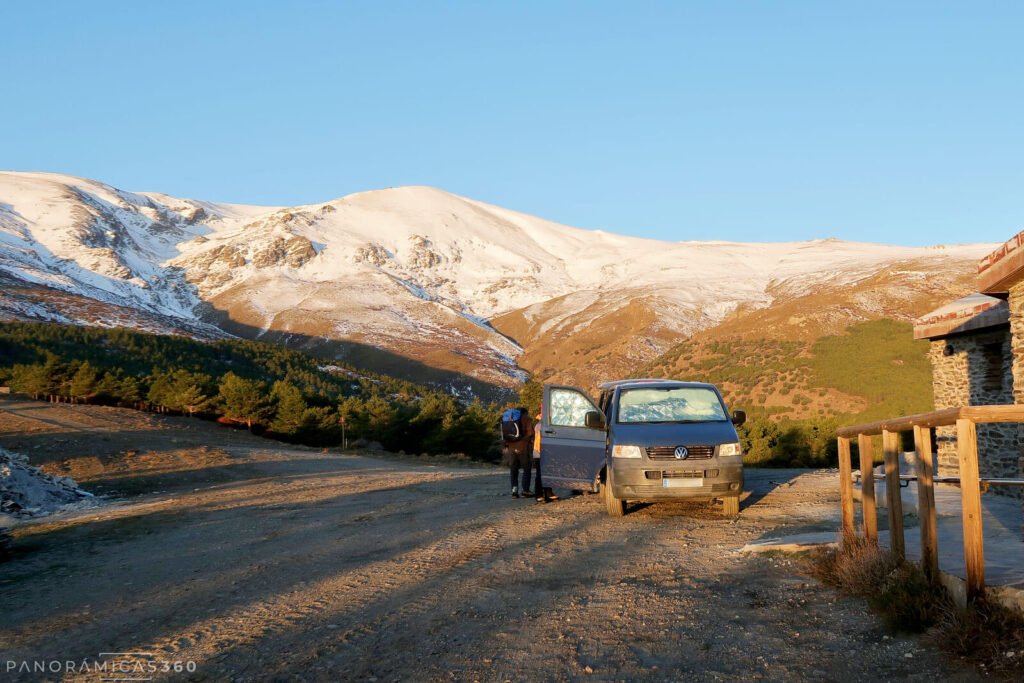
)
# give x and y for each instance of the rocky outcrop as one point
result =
(293, 251)
(226, 255)
(421, 256)
(373, 254)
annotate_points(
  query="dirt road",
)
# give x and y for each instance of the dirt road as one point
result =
(310, 565)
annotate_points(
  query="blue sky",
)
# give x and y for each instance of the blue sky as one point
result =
(880, 121)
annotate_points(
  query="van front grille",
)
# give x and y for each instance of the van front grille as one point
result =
(680, 474)
(669, 452)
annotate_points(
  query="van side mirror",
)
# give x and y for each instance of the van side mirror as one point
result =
(595, 420)
(738, 417)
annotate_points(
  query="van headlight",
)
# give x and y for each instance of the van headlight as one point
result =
(626, 452)
(729, 449)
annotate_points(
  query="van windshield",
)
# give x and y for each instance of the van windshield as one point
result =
(651, 405)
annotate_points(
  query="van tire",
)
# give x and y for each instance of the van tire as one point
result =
(731, 506)
(616, 507)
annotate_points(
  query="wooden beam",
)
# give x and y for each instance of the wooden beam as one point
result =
(970, 500)
(846, 487)
(867, 488)
(1010, 413)
(893, 499)
(926, 502)
(938, 418)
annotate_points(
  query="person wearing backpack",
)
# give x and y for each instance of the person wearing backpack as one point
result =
(517, 432)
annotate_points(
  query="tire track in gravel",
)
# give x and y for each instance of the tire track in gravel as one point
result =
(349, 591)
(292, 552)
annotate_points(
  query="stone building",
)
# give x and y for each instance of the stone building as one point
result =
(972, 365)
(977, 355)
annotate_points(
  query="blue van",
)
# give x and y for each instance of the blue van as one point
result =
(643, 440)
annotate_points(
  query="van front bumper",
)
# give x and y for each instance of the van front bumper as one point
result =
(651, 481)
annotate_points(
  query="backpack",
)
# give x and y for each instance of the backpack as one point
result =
(512, 425)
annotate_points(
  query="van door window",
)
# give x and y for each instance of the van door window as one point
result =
(569, 408)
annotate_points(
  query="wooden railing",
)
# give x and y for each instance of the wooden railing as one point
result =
(965, 419)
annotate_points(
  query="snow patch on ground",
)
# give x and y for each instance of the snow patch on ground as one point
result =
(26, 492)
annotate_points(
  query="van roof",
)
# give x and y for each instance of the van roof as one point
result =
(648, 380)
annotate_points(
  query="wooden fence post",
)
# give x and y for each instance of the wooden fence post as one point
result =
(970, 497)
(846, 486)
(867, 488)
(893, 499)
(926, 502)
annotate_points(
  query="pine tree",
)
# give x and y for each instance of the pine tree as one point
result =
(83, 383)
(531, 395)
(244, 400)
(290, 408)
(380, 418)
(33, 380)
(191, 398)
(109, 385)
(160, 389)
(57, 372)
(131, 390)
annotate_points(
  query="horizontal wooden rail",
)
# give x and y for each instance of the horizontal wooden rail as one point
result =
(998, 481)
(970, 482)
(938, 418)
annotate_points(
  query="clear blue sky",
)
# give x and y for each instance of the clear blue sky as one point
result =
(896, 122)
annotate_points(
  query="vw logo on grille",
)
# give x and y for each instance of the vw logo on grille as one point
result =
(681, 453)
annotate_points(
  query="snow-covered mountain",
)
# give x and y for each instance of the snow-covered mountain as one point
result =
(417, 273)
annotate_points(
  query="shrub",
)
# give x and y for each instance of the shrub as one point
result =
(895, 587)
(985, 633)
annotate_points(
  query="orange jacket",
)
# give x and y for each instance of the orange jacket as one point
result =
(536, 437)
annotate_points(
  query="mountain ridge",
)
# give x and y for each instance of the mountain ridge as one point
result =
(449, 282)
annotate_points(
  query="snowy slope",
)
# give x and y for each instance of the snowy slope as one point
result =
(413, 270)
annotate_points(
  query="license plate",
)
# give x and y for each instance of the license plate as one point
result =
(683, 482)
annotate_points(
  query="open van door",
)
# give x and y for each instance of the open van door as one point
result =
(571, 453)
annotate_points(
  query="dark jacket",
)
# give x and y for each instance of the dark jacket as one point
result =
(520, 452)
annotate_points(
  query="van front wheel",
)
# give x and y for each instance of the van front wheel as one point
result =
(616, 507)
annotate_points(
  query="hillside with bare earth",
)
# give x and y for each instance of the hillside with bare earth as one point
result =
(586, 340)
(871, 370)
(424, 284)
(782, 360)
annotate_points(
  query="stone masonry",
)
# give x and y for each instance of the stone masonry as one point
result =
(975, 362)
(1016, 302)
(975, 368)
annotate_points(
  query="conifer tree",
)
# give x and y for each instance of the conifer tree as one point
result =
(33, 380)
(244, 400)
(189, 392)
(83, 383)
(290, 408)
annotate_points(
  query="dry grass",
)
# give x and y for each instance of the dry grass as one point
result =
(857, 567)
(985, 634)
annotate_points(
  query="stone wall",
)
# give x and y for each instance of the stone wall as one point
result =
(1016, 302)
(977, 368)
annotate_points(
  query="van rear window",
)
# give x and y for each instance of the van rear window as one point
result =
(650, 405)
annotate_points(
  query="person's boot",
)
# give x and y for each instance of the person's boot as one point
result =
(515, 492)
